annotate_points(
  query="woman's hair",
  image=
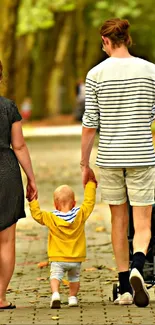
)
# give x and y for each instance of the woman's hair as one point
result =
(116, 30)
(1, 71)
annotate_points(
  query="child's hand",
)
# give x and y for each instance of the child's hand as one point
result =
(34, 198)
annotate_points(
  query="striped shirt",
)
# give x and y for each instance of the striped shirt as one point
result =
(67, 216)
(120, 98)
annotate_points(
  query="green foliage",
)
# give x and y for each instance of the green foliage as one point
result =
(63, 5)
(39, 14)
(110, 8)
(32, 17)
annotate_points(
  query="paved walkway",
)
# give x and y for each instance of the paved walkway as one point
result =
(29, 288)
(43, 131)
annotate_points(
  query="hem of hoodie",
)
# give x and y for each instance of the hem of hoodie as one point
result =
(68, 259)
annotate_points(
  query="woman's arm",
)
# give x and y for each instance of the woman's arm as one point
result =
(22, 154)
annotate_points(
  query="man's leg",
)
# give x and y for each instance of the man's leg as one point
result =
(120, 244)
(119, 220)
(140, 184)
(113, 192)
(142, 227)
(142, 236)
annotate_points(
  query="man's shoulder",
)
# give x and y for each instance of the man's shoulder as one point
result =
(93, 72)
(145, 63)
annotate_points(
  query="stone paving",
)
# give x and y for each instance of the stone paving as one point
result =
(56, 161)
(30, 291)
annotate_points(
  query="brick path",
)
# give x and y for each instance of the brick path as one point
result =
(29, 288)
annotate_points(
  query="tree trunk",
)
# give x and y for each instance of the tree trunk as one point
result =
(8, 16)
(24, 46)
(56, 89)
(81, 39)
(43, 61)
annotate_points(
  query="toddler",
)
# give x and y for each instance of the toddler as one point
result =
(66, 238)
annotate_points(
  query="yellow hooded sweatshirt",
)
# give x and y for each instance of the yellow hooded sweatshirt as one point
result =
(66, 241)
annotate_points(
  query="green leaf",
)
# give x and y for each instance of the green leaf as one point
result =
(102, 5)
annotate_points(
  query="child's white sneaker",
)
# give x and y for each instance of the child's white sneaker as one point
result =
(72, 301)
(55, 301)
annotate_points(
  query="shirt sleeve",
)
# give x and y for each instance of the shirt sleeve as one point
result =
(42, 217)
(89, 199)
(91, 114)
(15, 113)
(153, 78)
(153, 113)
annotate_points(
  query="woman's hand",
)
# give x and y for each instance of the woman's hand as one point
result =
(31, 190)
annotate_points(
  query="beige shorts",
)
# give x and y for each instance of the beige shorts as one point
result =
(137, 183)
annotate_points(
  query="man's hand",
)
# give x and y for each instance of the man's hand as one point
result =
(88, 175)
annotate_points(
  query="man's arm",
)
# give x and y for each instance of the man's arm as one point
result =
(88, 136)
(90, 124)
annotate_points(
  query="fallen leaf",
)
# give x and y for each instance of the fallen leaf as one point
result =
(42, 279)
(111, 268)
(91, 269)
(100, 229)
(42, 264)
(55, 317)
(19, 273)
(100, 267)
(107, 282)
(65, 282)
(9, 289)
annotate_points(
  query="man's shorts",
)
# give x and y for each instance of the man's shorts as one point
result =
(58, 269)
(137, 183)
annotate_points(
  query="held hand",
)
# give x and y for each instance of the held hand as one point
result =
(88, 175)
(92, 177)
(31, 191)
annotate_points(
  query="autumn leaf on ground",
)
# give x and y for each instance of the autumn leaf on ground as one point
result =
(100, 267)
(65, 282)
(100, 229)
(42, 264)
(9, 289)
(41, 279)
(111, 268)
(91, 269)
(107, 282)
